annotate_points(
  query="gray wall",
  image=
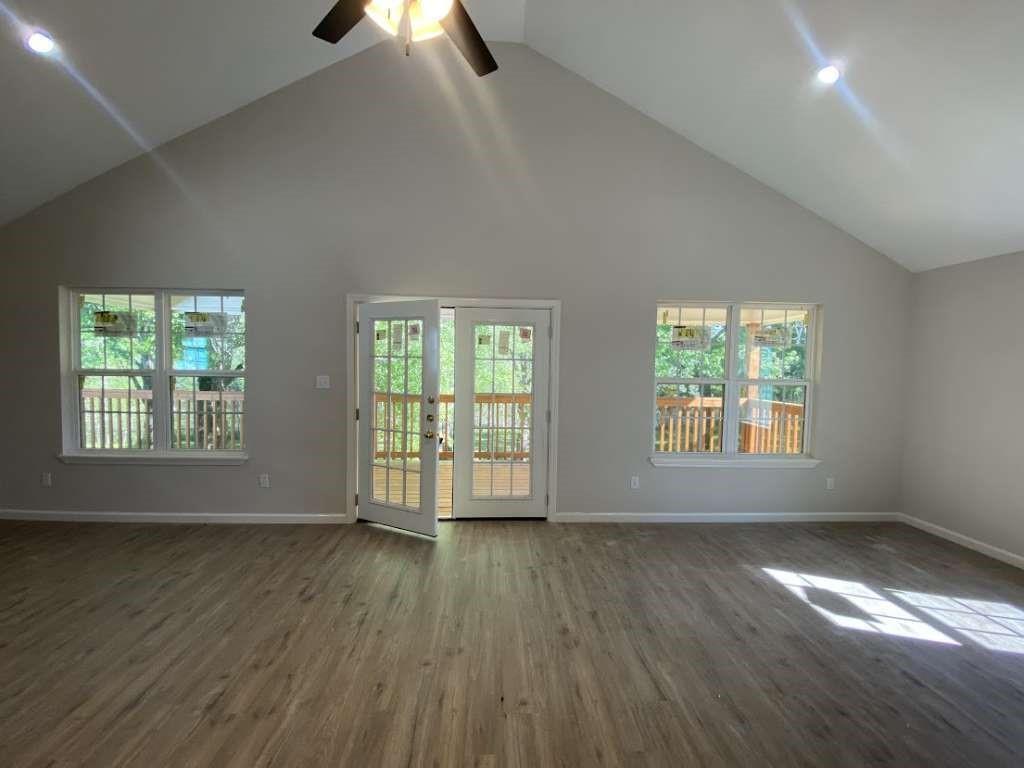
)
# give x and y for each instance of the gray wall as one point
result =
(964, 454)
(389, 175)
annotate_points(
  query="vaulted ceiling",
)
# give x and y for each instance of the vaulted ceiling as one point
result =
(918, 152)
(141, 72)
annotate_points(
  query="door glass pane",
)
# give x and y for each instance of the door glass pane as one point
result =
(502, 410)
(772, 419)
(395, 420)
(446, 416)
(689, 418)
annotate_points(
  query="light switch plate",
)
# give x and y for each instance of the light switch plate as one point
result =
(323, 381)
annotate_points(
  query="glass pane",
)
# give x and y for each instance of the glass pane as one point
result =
(208, 413)
(691, 342)
(689, 418)
(772, 343)
(414, 337)
(208, 333)
(502, 411)
(395, 421)
(446, 415)
(772, 419)
(116, 412)
(117, 331)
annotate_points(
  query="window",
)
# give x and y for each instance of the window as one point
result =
(732, 381)
(150, 373)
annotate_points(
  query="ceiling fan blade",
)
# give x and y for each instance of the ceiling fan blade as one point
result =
(464, 34)
(339, 20)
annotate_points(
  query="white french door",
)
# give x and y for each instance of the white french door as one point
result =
(501, 412)
(398, 392)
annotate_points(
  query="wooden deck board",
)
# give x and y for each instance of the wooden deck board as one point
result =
(515, 480)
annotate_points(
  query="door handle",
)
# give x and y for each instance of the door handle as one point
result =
(430, 417)
(429, 435)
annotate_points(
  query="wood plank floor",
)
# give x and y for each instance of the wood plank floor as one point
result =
(528, 644)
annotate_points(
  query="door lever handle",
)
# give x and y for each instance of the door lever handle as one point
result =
(429, 435)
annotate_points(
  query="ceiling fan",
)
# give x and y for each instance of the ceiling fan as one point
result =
(413, 20)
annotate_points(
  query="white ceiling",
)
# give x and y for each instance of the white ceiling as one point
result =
(927, 167)
(937, 176)
(167, 66)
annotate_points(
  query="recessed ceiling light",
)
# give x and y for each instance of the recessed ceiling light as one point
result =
(829, 75)
(40, 42)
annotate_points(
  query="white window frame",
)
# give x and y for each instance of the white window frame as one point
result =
(70, 339)
(729, 456)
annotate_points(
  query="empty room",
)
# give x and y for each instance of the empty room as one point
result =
(511, 383)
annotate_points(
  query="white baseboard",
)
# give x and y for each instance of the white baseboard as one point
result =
(191, 518)
(724, 517)
(964, 541)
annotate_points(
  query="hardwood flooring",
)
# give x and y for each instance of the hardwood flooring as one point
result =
(525, 644)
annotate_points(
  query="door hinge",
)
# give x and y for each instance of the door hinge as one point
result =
(551, 331)
(357, 326)
(357, 499)
(549, 415)
(357, 414)
(547, 500)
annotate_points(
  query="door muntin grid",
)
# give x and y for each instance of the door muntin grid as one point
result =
(503, 410)
(396, 419)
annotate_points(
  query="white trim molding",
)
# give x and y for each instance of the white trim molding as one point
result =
(733, 462)
(186, 518)
(991, 550)
(725, 517)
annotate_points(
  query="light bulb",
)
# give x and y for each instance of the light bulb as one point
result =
(829, 75)
(435, 10)
(387, 14)
(40, 42)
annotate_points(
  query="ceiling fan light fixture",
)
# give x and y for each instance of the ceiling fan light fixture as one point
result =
(387, 14)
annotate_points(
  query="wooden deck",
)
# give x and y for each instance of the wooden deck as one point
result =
(508, 480)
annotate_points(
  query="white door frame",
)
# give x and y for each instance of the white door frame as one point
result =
(352, 301)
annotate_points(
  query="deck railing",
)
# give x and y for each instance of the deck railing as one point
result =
(689, 425)
(501, 419)
(118, 419)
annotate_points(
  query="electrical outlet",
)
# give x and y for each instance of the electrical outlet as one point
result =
(830, 483)
(634, 482)
(323, 381)
(46, 479)
(264, 480)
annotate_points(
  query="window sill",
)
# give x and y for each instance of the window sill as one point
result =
(177, 458)
(735, 462)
